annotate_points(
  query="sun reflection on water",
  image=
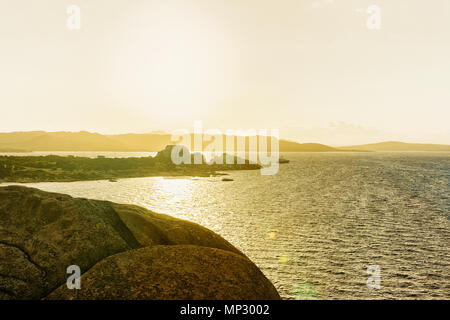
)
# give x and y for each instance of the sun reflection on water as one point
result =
(175, 192)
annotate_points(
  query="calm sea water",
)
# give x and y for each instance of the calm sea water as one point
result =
(316, 226)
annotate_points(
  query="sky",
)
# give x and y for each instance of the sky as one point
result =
(315, 70)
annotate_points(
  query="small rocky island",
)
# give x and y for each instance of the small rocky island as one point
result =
(52, 168)
(123, 252)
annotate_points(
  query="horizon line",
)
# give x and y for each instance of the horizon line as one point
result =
(160, 132)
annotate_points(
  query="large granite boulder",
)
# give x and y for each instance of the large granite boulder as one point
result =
(172, 272)
(123, 251)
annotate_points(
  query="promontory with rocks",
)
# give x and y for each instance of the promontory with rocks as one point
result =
(53, 168)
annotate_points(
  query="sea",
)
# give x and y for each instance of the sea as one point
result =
(347, 225)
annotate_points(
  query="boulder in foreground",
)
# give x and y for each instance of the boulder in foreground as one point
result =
(172, 272)
(123, 251)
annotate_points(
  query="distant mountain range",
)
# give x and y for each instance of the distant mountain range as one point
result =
(153, 142)
(398, 146)
(82, 141)
(86, 141)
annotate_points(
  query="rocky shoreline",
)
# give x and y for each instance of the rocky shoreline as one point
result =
(52, 168)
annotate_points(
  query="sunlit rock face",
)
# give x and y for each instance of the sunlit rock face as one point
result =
(123, 251)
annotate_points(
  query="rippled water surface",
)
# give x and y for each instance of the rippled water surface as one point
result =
(316, 226)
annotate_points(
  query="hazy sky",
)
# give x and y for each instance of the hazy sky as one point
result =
(313, 69)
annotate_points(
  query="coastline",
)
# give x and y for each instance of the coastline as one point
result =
(55, 168)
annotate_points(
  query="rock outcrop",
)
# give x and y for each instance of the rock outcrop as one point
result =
(123, 251)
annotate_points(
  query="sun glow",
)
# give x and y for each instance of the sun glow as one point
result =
(174, 191)
(173, 61)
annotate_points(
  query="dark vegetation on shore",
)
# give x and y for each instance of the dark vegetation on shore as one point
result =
(64, 169)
